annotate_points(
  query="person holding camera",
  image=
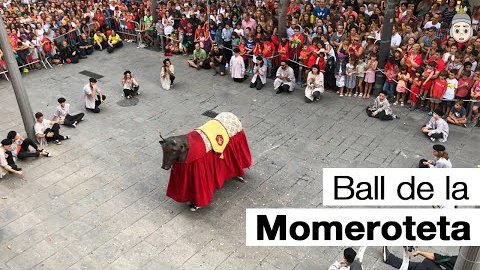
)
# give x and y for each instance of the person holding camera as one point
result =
(130, 85)
(93, 96)
(259, 74)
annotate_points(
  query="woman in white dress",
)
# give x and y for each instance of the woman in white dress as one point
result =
(314, 84)
(167, 74)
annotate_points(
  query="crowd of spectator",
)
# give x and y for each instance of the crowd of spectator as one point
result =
(59, 32)
(426, 70)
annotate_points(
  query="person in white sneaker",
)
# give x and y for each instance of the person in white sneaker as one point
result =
(63, 116)
(437, 128)
(431, 261)
(21, 146)
(48, 131)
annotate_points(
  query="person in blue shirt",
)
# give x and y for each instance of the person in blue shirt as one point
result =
(321, 10)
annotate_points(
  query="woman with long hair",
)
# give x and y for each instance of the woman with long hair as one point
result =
(315, 84)
(167, 74)
(259, 74)
(130, 85)
(440, 160)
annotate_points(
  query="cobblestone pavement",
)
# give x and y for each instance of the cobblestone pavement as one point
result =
(100, 201)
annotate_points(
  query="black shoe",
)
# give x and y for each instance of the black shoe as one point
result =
(279, 90)
(386, 253)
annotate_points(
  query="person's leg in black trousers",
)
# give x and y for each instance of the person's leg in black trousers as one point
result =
(258, 83)
(383, 116)
(56, 133)
(71, 119)
(97, 104)
(24, 151)
(172, 78)
(127, 93)
(11, 161)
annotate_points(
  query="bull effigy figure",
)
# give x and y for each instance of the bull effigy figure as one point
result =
(204, 158)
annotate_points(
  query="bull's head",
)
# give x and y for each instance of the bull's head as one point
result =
(175, 149)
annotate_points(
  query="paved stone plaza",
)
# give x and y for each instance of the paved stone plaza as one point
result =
(100, 201)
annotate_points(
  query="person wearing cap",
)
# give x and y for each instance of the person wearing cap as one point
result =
(47, 130)
(7, 164)
(437, 128)
(217, 60)
(344, 264)
(62, 114)
(285, 81)
(93, 96)
(431, 261)
(237, 66)
(259, 74)
(20, 146)
(440, 159)
(315, 84)
(130, 85)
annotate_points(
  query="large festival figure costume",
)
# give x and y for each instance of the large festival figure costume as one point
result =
(204, 158)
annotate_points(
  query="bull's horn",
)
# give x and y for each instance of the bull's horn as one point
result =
(161, 136)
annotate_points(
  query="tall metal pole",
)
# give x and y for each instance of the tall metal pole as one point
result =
(385, 44)
(468, 259)
(17, 84)
(153, 10)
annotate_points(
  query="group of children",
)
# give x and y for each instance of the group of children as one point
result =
(353, 75)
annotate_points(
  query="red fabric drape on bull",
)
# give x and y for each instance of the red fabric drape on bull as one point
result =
(196, 179)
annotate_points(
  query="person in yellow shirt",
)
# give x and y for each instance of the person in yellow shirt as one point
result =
(114, 41)
(99, 41)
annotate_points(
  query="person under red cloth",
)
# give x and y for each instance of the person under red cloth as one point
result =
(196, 179)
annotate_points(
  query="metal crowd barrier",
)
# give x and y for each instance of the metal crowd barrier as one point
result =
(41, 59)
(126, 33)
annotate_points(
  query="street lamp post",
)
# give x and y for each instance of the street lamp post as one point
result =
(17, 84)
